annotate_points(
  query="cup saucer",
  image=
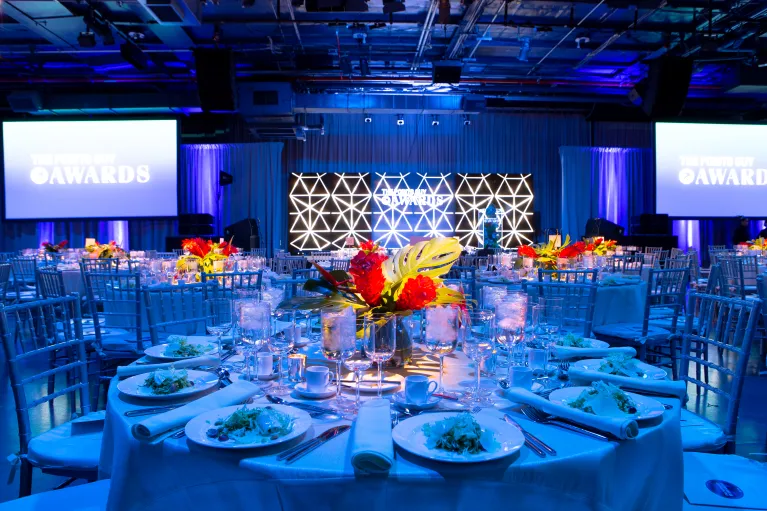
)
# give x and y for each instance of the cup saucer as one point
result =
(400, 399)
(303, 391)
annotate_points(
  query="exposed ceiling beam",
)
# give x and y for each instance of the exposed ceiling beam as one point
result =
(466, 28)
(58, 32)
(425, 34)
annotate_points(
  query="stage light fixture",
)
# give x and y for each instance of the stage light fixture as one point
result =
(434, 120)
(466, 120)
(86, 39)
(368, 119)
(400, 120)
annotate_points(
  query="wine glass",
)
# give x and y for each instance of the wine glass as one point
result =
(547, 323)
(218, 319)
(441, 334)
(360, 361)
(382, 329)
(255, 327)
(280, 343)
(477, 333)
(339, 333)
(511, 316)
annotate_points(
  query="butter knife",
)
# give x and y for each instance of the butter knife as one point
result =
(336, 431)
(529, 437)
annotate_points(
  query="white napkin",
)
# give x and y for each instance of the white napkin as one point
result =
(620, 428)
(676, 389)
(372, 446)
(134, 369)
(150, 429)
(568, 352)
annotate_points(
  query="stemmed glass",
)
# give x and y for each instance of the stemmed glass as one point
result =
(441, 334)
(218, 319)
(477, 333)
(255, 327)
(360, 361)
(547, 323)
(511, 315)
(382, 329)
(339, 334)
(281, 343)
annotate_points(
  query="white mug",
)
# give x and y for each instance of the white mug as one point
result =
(418, 389)
(521, 376)
(317, 378)
(264, 364)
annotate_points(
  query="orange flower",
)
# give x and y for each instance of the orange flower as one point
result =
(417, 293)
(527, 251)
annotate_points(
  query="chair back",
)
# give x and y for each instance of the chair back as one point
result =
(114, 299)
(714, 284)
(166, 255)
(297, 289)
(629, 264)
(675, 252)
(32, 334)
(50, 282)
(666, 290)
(577, 303)
(24, 274)
(733, 278)
(468, 277)
(288, 264)
(725, 328)
(178, 310)
(52, 258)
(5, 280)
(340, 264)
(568, 276)
(229, 282)
(100, 265)
(650, 260)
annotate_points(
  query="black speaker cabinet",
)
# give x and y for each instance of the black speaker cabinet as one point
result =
(447, 72)
(244, 234)
(666, 86)
(215, 79)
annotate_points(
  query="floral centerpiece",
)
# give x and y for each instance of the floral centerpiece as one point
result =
(600, 246)
(548, 254)
(408, 281)
(106, 251)
(58, 247)
(205, 253)
(758, 244)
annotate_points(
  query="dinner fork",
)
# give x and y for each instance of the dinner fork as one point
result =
(540, 417)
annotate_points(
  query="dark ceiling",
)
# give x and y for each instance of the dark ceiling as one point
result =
(566, 54)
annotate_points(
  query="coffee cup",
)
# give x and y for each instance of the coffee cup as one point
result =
(521, 376)
(418, 389)
(317, 378)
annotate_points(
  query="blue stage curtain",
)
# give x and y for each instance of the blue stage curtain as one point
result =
(606, 182)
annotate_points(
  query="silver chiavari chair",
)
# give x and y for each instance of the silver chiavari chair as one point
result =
(114, 299)
(52, 258)
(577, 303)
(50, 282)
(340, 264)
(177, 310)
(5, 281)
(24, 278)
(229, 282)
(568, 276)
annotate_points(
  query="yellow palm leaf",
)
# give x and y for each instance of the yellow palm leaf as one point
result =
(431, 258)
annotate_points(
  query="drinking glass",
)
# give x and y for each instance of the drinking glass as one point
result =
(491, 295)
(511, 315)
(477, 333)
(255, 327)
(441, 333)
(382, 330)
(547, 323)
(218, 319)
(280, 343)
(339, 334)
(360, 361)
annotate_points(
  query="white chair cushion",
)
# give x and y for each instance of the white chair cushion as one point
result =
(83, 497)
(700, 435)
(58, 448)
(630, 331)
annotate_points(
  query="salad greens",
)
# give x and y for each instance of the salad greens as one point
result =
(252, 425)
(603, 399)
(167, 382)
(460, 434)
(621, 364)
(180, 347)
(573, 341)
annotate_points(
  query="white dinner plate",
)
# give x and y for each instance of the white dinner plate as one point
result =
(158, 351)
(134, 386)
(303, 391)
(409, 435)
(400, 399)
(593, 343)
(647, 407)
(369, 383)
(196, 429)
(650, 372)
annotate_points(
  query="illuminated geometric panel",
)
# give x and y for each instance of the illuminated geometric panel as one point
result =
(411, 204)
(511, 194)
(327, 208)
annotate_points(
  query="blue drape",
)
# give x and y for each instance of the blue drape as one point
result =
(606, 182)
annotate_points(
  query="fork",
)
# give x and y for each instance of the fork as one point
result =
(540, 417)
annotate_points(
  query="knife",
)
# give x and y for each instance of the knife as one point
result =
(529, 436)
(530, 445)
(365, 383)
(308, 443)
(296, 404)
(150, 411)
(335, 432)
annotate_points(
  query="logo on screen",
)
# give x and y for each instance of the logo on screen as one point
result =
(686, 176)
(83, 175)
(408, 197)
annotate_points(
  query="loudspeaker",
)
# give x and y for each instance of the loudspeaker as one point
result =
(603, 228)
(225, 178)
(446, 72)
(214, 68)
(666, 86)
(244, 234)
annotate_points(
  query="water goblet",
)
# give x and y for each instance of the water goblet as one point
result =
(339, 333)
(381, 329)
(511, 316)
(218, 319)
(255, 327)
(359, 362)
(280, 343)
(441, 334)
(547, 323)
(477, 333)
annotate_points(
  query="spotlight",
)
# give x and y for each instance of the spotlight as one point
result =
(400, 120)
(368, 119)
(434, 120)
(466, 120)
(86, 39)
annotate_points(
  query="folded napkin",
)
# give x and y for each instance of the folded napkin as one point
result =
(372, 446)
(134, 369)
(568, 352)
(155, 426)
(676, 389)
(620, 428)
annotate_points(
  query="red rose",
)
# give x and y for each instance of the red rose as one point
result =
(590, 247)
(368, 275)
(570, 251)
(196, 246)
(599, 241)
(527, 251)
(417, 293)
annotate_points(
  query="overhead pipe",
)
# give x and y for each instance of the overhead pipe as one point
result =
(469, 21)
(503, 4)
(425, 32)
(292, 13)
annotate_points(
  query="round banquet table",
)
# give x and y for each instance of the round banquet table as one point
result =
(642, 474)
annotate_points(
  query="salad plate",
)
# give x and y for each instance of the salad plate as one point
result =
(629, 367)
(571, 340)
(248, 426)
(181, 347)
(606, 400)
(457, 438)
(170, 384)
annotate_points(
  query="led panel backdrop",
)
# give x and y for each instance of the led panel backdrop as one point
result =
(512, 195)
(90, 169)
(411, 204)
(326, 208)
